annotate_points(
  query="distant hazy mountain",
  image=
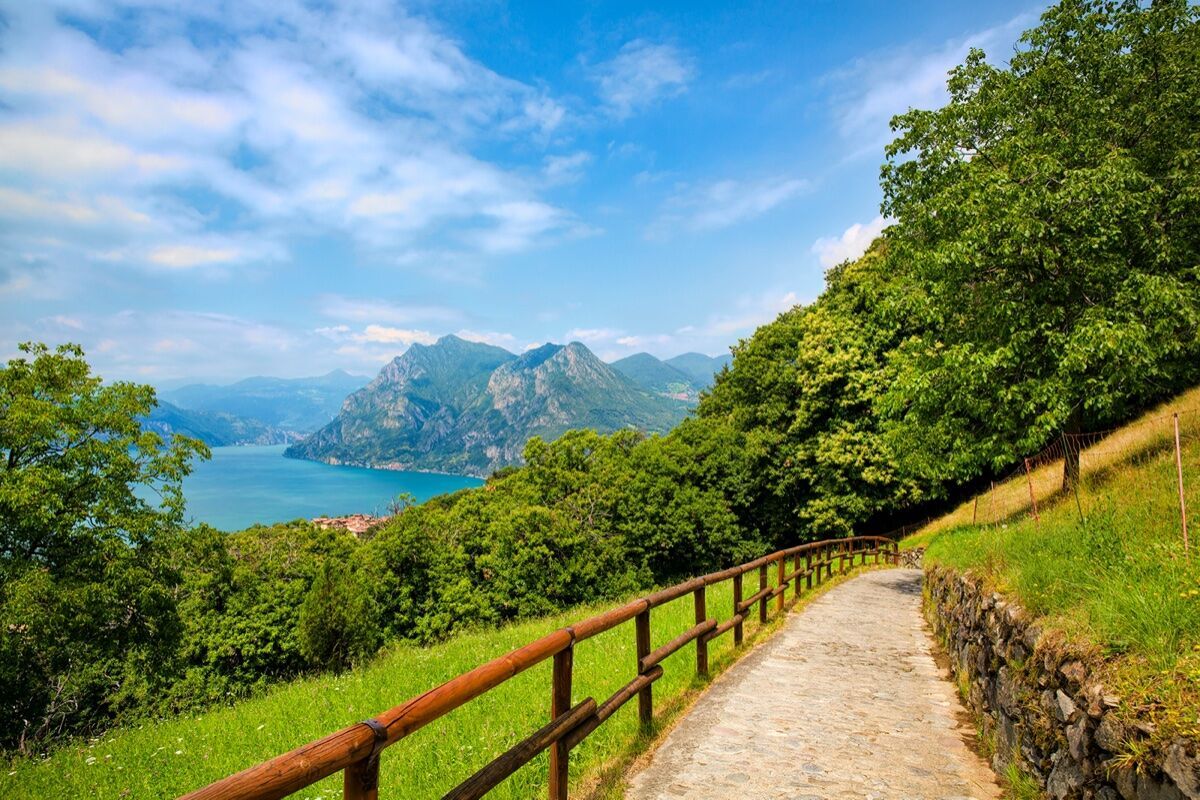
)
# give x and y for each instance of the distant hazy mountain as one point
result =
(700, 368)
(294, 404)
(212, 428)
(659, 377)
(458, 406)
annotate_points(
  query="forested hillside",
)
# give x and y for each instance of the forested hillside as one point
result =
(1041, 273)
(216, 429)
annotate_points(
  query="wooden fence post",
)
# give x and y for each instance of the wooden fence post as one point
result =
(360, 780)
(1032, 498)
(975, 510)
(796, 569)
(808, 570)
(779, 578)
(737, 611)
(645, 696)
(560, 703)
(701, 642)
(762, 602)
(1182, 502)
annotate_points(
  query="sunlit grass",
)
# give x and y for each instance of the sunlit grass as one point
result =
(171, 757)
(1108, 572)
(1149, 434)
(1118, 576)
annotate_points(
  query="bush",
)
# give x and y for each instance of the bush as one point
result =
(338, 620)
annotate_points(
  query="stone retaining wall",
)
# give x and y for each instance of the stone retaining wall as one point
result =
(1041, 702)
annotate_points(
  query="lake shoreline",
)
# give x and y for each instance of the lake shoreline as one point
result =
(392, 467)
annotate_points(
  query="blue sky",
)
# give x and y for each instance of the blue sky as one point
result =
(213, 190)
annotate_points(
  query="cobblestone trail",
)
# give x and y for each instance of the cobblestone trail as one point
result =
(844, 701)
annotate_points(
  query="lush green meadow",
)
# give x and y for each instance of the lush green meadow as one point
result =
(168, 758)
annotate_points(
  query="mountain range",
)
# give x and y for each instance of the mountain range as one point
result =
(214, 428)
(682, 377)
(294, 405)
(467, 407)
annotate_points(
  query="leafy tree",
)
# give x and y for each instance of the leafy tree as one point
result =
(87, 575)
(1051, 210)
(338, 619)
(802, 392)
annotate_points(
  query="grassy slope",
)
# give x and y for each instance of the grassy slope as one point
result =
(1117, 582)
(174, 756)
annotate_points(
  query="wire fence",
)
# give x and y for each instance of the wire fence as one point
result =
(1075, 467)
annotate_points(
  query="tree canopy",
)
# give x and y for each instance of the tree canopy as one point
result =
(1051, 213)
(86, 576)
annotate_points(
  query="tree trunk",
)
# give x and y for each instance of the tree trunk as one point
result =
(1071, 447)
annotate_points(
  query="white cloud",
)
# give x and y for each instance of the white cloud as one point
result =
(379, 311)
(183, 256)
(749, 313)
(505, 340)
(721, 204)
(869, 91)
(67, 322)
(640, 75)
(382, 334)
(99, 210)
(359, 120)
(516, 223)
(853, 242)
(645, 340)
(593, 335)
(153, 345)
(566, 169)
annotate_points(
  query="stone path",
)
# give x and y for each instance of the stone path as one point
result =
(845, 701)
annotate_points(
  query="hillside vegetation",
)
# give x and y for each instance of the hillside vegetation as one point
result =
(1108, 572)
(215, 429)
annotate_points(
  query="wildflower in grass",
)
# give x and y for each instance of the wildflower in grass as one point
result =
(178, 752)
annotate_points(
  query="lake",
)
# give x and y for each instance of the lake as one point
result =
(244, 485)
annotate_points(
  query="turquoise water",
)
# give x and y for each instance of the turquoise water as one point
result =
(244, 485)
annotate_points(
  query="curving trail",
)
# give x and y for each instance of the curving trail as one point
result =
(845, 701)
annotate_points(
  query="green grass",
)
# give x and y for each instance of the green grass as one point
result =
(168, 758)
(1118, 578)
(1116, 582)
(1020, 785)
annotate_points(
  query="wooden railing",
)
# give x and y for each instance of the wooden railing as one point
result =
(355, 750)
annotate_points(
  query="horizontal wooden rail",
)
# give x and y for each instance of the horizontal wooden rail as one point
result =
(724, 627)
(355, 750)
(675, 644)
(749, 602)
